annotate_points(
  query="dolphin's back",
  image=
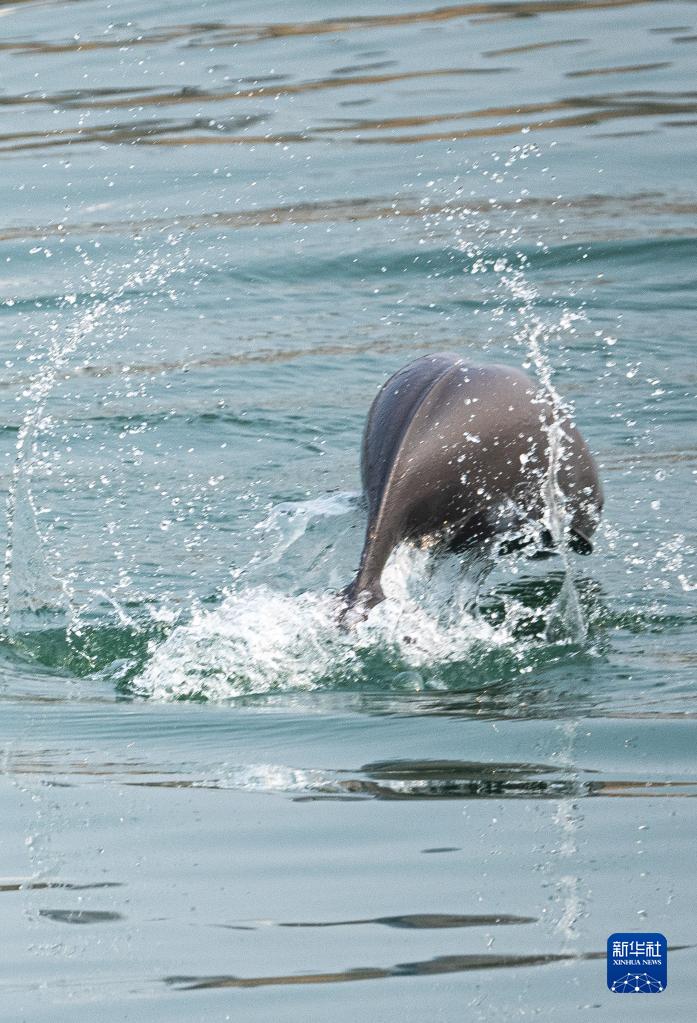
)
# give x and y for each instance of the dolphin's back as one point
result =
(390, 416)
(463, 452)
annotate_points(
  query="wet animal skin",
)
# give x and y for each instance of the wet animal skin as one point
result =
(459, 455)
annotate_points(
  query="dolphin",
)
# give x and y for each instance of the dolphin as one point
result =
(458, 455)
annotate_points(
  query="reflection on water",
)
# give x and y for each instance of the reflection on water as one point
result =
(30, 884)
(593, 110)
(219, 34)
(543, 210)
(447, 93)
(417, 921)
(442, 964)
(400, 780)
(80, 916)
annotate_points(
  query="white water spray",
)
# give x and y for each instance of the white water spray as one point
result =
(112, 303)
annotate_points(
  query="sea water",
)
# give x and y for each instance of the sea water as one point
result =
(223, 227)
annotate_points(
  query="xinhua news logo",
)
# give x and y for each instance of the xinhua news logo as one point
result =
(637, 964)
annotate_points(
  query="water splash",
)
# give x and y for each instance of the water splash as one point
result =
(286, 523)
(259, 640)
(566, 617)
(498, 268)
(40, 579)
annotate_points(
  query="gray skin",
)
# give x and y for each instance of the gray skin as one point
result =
(458, 455)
